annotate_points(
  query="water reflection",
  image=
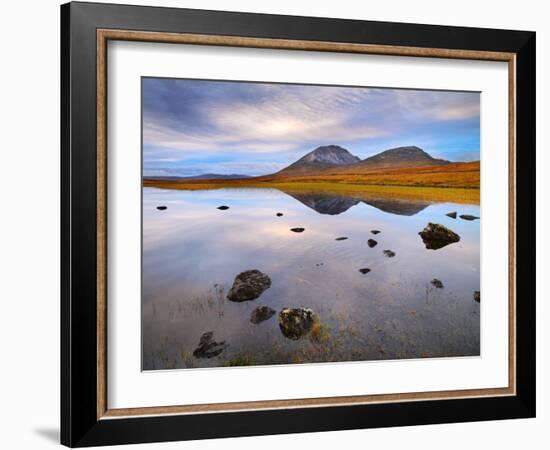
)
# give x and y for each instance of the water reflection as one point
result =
(193, 252)
(325, 203)
(334, 204)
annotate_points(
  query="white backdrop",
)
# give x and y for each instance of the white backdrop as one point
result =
(129, 387)
(29, 241)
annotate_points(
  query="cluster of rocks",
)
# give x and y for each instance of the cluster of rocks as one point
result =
(297, 322)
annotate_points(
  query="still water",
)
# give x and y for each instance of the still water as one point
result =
(193, 251)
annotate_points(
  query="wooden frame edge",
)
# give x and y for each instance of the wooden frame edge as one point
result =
(103, 36)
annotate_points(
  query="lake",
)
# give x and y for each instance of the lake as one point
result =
(193, 251)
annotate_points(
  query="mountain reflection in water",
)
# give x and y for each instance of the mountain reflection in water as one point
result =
(366, 306)
(334, 204)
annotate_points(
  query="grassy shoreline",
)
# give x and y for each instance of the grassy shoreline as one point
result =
(403, 192)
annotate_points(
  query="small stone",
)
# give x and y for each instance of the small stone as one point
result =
(436, 236)
(364, 270)
(161, 208)
(452, 215)
(208, 347)
(437, 283)
(261, 314)
(375, 231)
(297, 230)
(477, 296)
(468, 217)
(296, 322)
(343, 238)
(389, 253)
(372, 243)
(223, 207)
(248, 285)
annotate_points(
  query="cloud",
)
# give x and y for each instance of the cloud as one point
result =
(185, 120)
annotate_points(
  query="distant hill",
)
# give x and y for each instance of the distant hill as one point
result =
(394, 158)
(321, 158)
(410, 156)
(204, 176)
(401, 166)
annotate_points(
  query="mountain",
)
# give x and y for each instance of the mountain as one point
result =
(410, 156)
(204, 176)
(323, 157)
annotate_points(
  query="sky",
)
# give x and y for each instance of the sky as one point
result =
(192, 127)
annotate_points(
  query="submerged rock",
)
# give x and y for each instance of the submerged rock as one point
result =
(208, 347)
(248, 285)
(389, 253)
(343, 238)
(364, 270)
(468, 217)
(452, 215)
(279, 214)
(261, 313)
(223, 207)
(436, 236)
(437, 283)
(297, 230)
(372, 243)
(477, 296)
(375, 231)
(296, 322)
(161, 208)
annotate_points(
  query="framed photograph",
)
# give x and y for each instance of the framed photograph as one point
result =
(276, 224)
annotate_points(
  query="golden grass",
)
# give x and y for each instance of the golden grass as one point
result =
(433, 194)
(458, 182)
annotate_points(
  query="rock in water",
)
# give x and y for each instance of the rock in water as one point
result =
(452, 215)
(468, 217)
(223, 207)
(261, 313)
(248, 285)
(279, 214)
(375, 231)
(389, 253)
(477, 296)
(161, 208)
(208, 347)
(437, 283)
(343, 238)
(296, 322)
(297, 230)
(364, 270)
(372, 243)
(436, 236)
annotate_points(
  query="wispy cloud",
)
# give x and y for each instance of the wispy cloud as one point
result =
(267, 125)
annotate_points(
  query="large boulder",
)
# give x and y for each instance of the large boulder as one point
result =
(248, 285)
(208, 347)
(261, 313)
(296, 322)
(436, 236)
